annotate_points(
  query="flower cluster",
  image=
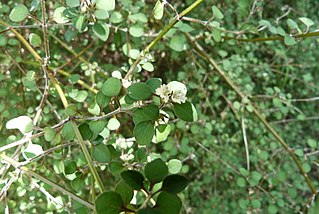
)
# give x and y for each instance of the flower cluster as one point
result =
(174, 91)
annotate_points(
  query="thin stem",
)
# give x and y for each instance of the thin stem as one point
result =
(245, 139)
(45, 153)
(87, 156)
(274, 38)
(161, 35)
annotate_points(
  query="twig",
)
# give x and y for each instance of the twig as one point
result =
(46, 153)
(305, 99)
(245, 139)
(295, 120)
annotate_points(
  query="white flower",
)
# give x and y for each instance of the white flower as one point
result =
(178, 91)
(164, 92)
(174, 91)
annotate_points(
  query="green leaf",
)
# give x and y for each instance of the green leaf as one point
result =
(101, 30)
(105, 5)
(149, 210)
(85, 131)
(32, 150)
(185, 111)
(150, 112)
(70, 13)
(3, 41)
(217, 35)
(73, 3)
(81, 23)
(162, 132)
(70, 167)
(289, 40)
(174, 184)
(168, 203)
(140, 154)
(78, 184)
(78, 96)
(281, 31)
(174, 166)
(94, 108)
(154, 83)
(148, 66)
(29, 81)
(102, 100)
(71, 110)
(35, 40)
(308, 22)
(112, 87)
(129, 100)
(57, 139)
(109, 203)
(133, 179)
(101, 153)
(19, 13)
(68, 132)
(116, 17)
(139, 91)
(292, 24)
(156, 171)
(241, 182)
(138, 17)
(101, 14)
(97, 126)
(125, 191)
(144, 132)
(116, 167)
(23, 123)
(217, 13)
(312, 143)
(113, 124)
(136, 30)
(49, 133)
(158, 10)
(177, 43)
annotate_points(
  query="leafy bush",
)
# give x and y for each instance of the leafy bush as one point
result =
(158, 107)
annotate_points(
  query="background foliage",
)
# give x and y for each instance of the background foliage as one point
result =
(259, 45)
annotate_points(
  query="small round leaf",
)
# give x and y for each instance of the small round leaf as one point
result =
(133, 179)
(139, 91)
(101, 153)
(19, 13)
(185, 111)
(101, 30)
(125, 191)
(70, 167)
(112, 87)
(174, 166)
(174, 183)
(109, 203)
(156, 171)
(168, 203)
(144, 132)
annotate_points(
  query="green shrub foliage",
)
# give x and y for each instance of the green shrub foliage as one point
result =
(158, 106)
